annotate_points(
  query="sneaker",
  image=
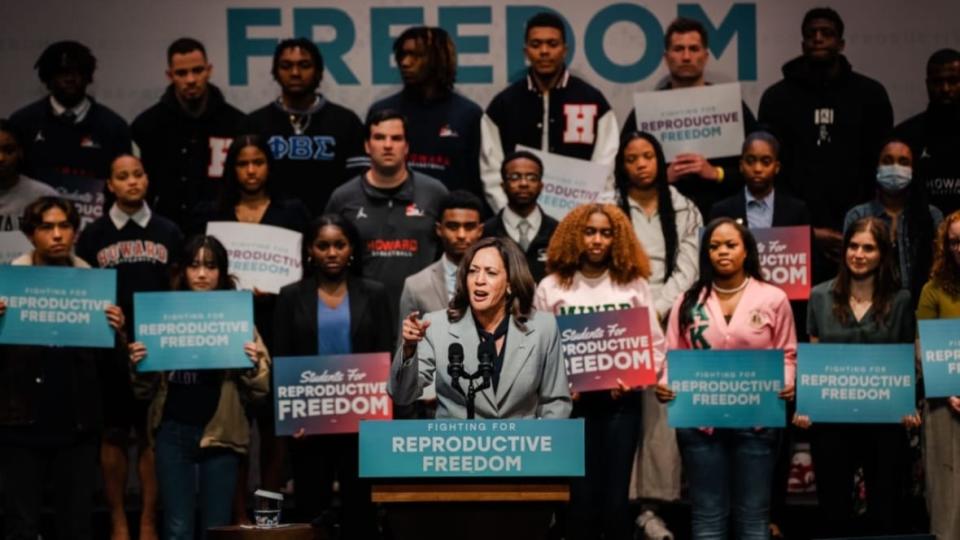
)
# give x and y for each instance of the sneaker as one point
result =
(653, 527)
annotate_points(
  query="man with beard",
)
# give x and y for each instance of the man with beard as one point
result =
(522, 220)
(549, 109)
(445, 136)
(316, 144)
(933, 133)
(183, 139)
(830, 121)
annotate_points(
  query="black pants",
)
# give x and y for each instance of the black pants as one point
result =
(880, 449)
(317, 462)
(71, 471)
(599, 502)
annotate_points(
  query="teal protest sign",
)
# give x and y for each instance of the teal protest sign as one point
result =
(59, 306)
(940, 352)
(193, 330)
(471, 448)
(726, 389)
(841, 382)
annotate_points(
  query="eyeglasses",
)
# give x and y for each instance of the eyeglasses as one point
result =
(516, 177)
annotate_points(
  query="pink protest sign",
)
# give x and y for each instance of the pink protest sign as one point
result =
(785, 259)
(599, 348)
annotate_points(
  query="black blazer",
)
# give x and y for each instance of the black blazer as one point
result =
(787, 211)
(537, 251)
(372, 325)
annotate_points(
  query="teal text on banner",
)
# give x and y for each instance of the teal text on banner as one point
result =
(471, 448)
(841, 382)
(193, 330)
(57, 306)
(726, 389)
(940, 352)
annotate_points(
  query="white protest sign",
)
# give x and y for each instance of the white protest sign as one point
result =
(568, 182)
(261, 256)
(706, 120)
(12, 245)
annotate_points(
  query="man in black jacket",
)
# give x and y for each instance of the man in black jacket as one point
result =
(522, 220)
(68, 138)
(183, 139)
(934, 134)
(317, 145)
(51, 414)
(830, 121)
(444, 134)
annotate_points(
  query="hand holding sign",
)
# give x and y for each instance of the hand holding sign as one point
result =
(954, 403)
(414, 329)
(664, 393)
(687, 164)
(115, 317)
(3, 307)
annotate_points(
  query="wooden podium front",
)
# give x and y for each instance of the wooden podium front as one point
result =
(471, 479)
(477, 510)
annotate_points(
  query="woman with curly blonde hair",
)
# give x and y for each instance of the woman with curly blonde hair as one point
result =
(940, 299)
(596, 263)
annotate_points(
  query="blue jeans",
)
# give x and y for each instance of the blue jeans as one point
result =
(729, 468)
(179, 459)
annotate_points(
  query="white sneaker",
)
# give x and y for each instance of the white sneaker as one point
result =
(653, 527)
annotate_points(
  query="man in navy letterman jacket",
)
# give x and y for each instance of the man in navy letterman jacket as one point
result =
(549, 109)
(183, 139)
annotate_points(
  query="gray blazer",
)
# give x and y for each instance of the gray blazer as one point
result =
(533, 380)
(424, 291)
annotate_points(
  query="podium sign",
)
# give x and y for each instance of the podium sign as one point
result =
(471, 448)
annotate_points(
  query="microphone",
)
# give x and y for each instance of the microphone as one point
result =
(455, 365)
(485, 356)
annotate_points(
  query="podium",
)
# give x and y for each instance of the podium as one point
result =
(483, 479)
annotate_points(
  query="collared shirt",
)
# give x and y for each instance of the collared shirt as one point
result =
(759, 211)
(79, 111)
(449, 275)
(120, 218)
(511, 222)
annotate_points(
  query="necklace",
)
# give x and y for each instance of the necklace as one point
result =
(738, 288)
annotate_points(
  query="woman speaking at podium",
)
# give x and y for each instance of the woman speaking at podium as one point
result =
(491, 316)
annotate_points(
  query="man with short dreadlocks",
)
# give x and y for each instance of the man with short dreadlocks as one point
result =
(444, 126)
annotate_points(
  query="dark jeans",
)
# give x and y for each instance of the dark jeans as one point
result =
(729, 471)
(599, 502)
(317, 462)
(838, 451)
(72, 471)
(180, 461)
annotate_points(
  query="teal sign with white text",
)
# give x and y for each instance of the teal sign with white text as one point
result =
(57, 306)
(471, 448)
(842, 382)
